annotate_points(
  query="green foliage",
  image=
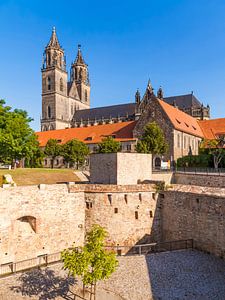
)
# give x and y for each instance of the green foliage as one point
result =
(160, 186)
(152, 140)
(92, 262)
(215, 149)
(201, 161)
(75, 152)
(17, 139)
(53, 149)
(109, 145)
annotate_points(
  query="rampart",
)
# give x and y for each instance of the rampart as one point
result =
(36, 221)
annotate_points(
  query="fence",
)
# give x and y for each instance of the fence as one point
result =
(48, 259)
(207, 171)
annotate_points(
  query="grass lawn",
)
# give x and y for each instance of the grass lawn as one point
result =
(35, 176)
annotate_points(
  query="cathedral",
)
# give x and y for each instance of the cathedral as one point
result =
(66, 98)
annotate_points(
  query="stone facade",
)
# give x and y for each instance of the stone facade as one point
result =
(61, 97)
(120, 168)
(195, 213)
(180, 143)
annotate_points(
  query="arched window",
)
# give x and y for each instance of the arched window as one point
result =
(86, 96)
(61, 84)
(48, 83)
(51, 127)
(49, 112)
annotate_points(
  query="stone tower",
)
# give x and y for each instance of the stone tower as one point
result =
(60, 98)
(79, 75)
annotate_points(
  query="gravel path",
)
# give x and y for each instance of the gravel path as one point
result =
(177, 275)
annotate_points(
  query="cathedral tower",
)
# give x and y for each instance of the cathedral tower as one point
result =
(54, 87)
(79, 75)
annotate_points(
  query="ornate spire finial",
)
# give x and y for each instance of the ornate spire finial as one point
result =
(137, 96)
(79, 46)
(53, 29)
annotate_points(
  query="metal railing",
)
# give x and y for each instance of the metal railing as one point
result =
(207, 171)
(48, 259)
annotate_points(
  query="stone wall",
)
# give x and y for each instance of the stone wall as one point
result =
(199, 179)
(195, 213)
(37, 221)
(120, 168)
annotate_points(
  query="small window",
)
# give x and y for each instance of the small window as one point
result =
(178, 121)
(178, 141)
(113, 136)
(86, 96)
(129, 147)
(197, 200)
(89, 138)
(151, 214)
(162, 195)
(194, 127)
(136, 215)
(48, 83)
(110, 198)
(125, 198)
(49, 112)
(116, 210)
(154, 196)
(61, 84)
(140, 197)
(186, 124)
(88, 205)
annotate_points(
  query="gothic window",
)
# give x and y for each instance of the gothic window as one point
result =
(86, 96)
(75, 73)
(49, 111)
(178, 141)
(48, 83)
(49, 60)
(184, 142)
(71, 109)
(51, 127)
(61, 84)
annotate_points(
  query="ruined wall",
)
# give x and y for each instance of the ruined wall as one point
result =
(195, 213)
(199, 179)
(37, 221)
(131, 214)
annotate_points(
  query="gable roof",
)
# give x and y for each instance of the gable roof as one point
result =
(180, 120)
(183, 101)
(121, 110)
(89, 135)
(212, 128)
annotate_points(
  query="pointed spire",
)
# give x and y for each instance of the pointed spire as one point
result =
(137, 97)
(160, 93)
(54, 43)
(79, 59)
(149, 90)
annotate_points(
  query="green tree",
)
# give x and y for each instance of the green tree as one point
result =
(152, 140)
(109, 145)
(92, 262)
(17, 139)
(52, 150)
(216, 149)
(75, 152)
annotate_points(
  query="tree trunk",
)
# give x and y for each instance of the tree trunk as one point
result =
(52, 163)
(95, 291)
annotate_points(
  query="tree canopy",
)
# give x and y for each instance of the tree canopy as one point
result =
(17, 139)
(109, 145)
(52, 150)
(215, 148)
(75, 152)
(92, 262)
(152, 140)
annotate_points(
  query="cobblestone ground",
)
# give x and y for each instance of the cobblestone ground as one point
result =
(162, 276)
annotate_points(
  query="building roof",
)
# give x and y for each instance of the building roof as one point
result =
(114, 111)
(183, 101)
(54, 40)
(180, 120)
(123, 131)
(212, 128)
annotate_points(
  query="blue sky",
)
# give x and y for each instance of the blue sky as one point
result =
(177, 44)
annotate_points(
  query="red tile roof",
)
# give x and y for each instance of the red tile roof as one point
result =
(90, 135)
(180, 120)
(212, 128)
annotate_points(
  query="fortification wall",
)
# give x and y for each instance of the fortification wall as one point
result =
(37, 221)
(199, 179)
(197, 213)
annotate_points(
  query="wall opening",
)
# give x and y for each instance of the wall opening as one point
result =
(125, 198)
(136, 215)
(27, 224)
(151, 214)
(110, 198)
(116, 210)
(140, 197)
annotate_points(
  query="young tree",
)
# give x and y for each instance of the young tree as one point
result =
(215, 148)
(109, 145)
(17, 139)
(92, 262)
(52, 150)
(152, 140)
(75, 152)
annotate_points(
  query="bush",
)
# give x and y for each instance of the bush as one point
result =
(200, 161)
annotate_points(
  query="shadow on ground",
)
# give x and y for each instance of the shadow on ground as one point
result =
(44, 284)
